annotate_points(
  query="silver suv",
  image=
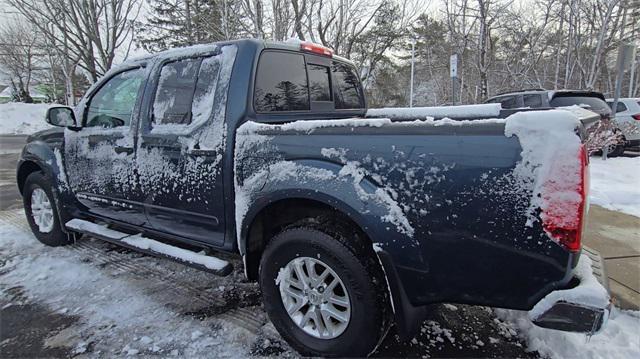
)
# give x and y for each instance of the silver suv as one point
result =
(628, 119)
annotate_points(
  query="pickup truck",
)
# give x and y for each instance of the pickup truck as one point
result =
(350, 224)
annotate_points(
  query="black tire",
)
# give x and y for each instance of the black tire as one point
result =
(54, 237)
(617, 150)
(353, 262)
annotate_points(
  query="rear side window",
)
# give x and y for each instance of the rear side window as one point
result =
(582, 101)
(185, 91)
(319, 82)
(347, 90)
(281, 83)
(174, 96)
(533, 101)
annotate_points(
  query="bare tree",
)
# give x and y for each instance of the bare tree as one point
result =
(19, 56)
(88, 30)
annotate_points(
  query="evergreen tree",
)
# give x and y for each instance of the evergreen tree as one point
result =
(176, 23)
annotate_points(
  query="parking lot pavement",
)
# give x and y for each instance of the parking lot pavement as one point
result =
(10, 147)
(617, 237)
(96, 299)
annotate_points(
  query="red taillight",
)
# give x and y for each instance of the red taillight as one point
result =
(316, 49)
(636, 117)
(563, 215)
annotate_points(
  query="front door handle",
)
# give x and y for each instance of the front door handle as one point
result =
(123, 149)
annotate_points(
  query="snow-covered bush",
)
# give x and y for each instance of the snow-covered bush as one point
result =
(603, 134)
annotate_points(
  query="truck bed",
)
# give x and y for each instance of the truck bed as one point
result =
(438, 196)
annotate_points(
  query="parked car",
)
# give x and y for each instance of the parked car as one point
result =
(350, 224)
(627, 118)
(601, 134)
(540, 98)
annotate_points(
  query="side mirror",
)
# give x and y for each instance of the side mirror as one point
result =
(61, 116)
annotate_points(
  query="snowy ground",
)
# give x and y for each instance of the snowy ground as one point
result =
(105, 301)
(615, 184)
(22, 118)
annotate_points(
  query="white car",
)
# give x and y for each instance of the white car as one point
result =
(628, 119)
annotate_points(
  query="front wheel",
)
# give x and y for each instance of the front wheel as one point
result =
(323, 295)
(39, 207)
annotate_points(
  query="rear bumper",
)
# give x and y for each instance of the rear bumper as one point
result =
(582, 307)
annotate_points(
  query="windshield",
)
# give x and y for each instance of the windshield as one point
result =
(592, 103)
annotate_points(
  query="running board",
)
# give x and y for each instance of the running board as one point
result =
(152, 247)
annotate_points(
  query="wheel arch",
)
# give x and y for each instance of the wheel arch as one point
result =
(280, 212)
(25, 168)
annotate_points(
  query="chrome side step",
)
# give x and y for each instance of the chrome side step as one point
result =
(149, 246)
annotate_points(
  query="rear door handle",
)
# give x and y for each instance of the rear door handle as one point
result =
(122, 149)
(199, 152)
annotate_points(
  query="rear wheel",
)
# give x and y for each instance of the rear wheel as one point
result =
(40, 209)
(616, 150)
(323, 294)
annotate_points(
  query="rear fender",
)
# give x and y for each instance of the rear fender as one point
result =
(323, 182)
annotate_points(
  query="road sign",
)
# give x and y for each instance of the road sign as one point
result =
(453, 65)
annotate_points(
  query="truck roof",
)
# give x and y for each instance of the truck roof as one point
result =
(291, 44)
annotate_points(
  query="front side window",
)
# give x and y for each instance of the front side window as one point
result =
(113, 104)
(508, 102)
(281, 83)
(347, 89)
(593, 103)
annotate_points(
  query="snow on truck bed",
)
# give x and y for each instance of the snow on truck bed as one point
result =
(550, 168)
(22, 118)
(464, 111)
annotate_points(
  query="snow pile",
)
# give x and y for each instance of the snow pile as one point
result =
(550, 165)
(618, 339)
(23, 118)
(615, 184)
(466, 111)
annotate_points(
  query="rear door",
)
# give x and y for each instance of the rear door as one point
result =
(100, 157)
(180, 155)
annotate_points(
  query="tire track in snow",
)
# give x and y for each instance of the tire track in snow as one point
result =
(102, 255)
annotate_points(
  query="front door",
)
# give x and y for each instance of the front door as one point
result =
(100, 157)
(181, 148)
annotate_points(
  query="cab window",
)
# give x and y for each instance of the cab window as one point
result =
(174, 96)
(281, 83)
(532, 101)
(112, 105)
(347, 90)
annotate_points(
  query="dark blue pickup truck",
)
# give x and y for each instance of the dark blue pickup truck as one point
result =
(351, 223)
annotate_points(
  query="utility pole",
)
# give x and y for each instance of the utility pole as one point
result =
(626, 55)
(413, 56)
